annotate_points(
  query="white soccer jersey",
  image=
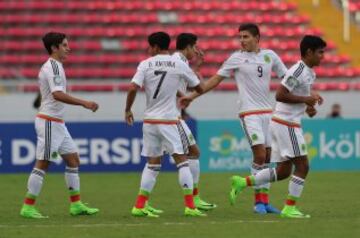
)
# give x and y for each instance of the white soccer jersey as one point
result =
(298, 80)
(52, 78)
(252, 72)
(183, 84)
(161, 77)
(180, 56)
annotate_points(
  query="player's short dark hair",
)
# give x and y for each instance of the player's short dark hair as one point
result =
(161, 39)
(53, 39)
(250, 27)
(185, 39)
(311, 42)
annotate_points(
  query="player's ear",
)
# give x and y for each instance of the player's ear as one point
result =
(309, 52)
(54, 48)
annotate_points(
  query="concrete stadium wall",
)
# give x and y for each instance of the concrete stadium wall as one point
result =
(215, 105)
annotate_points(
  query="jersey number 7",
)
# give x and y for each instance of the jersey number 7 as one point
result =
(163, 74)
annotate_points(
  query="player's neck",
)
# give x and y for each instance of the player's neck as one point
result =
(163, 52)
(56, 57)
(183, 52)
(307, 62)
(255, 50)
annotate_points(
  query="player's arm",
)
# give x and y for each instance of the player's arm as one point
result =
(311, 111)
(136, 83)
(209, 85)
(199, 60)
(278, 66)
(316, 94)
(180, 94)
(225, 71)
(284, 95)
(131, 95)
(284, 92)
(68, 99)
(199, 88)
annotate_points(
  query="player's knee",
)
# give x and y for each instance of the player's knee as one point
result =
(283, 170)
(42, 164)
(73, 162)
(260, 159)
(194, 155)
(194, 152)
(283, 173)
(302, 168)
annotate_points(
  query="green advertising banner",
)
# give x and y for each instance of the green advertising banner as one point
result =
(333, 144)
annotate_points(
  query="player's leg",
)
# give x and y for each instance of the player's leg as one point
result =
(148, 180)
(296, 186)
(194, 164)
(297, 181)
(265, 189)
(72, 179)
(186, 183)
(45, 146)
(259, 157)
(175, 143)
(34, 185)
(70, 155)
(269, 175)
(153, 150)
(280, 147)
(256, 129)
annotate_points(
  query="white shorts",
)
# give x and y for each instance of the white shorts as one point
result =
(287, 142)
(256, 128)
(189, 135)
(160, 138)
(53, 139)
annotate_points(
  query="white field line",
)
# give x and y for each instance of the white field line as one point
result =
(132, 224)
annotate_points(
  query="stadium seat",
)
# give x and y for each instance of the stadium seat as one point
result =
(108, 38)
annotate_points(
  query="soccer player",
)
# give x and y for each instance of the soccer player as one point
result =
(53, 138)
(161, 76)
(252, 67)
(186, 50)
(294, 97)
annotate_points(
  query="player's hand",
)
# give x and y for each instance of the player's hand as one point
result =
(320, 99)
(199, 58)
(311, 111)
(311, 100)
(129, 118)
(93, 106)
(184, 102)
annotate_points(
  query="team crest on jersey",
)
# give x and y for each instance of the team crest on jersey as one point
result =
(54, 155)
(267, 59)
(303, 147)
(291, 82)
(191, 138)
(57, 80)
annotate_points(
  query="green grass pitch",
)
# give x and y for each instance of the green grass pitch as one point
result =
(332, 198)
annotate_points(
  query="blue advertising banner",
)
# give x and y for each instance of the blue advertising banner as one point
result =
(103, 146)
(333, 144)
(223, 146)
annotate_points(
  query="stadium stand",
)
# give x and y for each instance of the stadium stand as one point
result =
(354, 8)
(108, 38)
